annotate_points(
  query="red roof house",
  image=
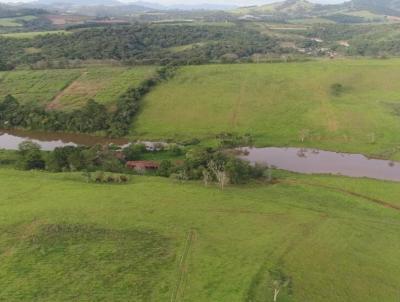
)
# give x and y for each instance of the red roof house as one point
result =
(143, 165)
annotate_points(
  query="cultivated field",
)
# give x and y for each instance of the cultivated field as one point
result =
(63, 239)
(344, 105)
(15, 22)
(71, 88)
(36, 86)
(103, 84)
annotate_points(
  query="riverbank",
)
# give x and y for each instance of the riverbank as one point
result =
(301, 160)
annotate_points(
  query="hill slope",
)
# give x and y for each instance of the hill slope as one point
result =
(304, 8)
(388, 7)
(291, 7)
(276, 102)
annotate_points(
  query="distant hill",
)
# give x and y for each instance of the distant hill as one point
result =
(353, 11)
(387, 7)
(348, 12)
(109, 11)
(92, 8)
(77, 2)
(288, 7)
(141, 5)
(200, 6)
(9, 11)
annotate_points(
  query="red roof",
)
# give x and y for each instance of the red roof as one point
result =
(143, 165)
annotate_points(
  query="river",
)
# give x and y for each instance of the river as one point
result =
(311, 161)
(308, 161)
(48, 141)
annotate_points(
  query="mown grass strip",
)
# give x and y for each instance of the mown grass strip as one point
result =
(178, 294)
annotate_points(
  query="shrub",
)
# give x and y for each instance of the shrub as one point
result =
(99, 178)
(123, 178)
(30, 156)
(191, 142)
(175, 150)
(165, 169)
(134, 151)
(337, 89)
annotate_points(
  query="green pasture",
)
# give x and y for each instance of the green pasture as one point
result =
(63, 239)
(15, 22)
(344, 105)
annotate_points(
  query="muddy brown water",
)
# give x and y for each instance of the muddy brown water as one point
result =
(10, 139)
(311, 161)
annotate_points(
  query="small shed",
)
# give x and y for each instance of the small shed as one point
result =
(143, 165)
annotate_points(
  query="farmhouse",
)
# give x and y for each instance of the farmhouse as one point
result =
(143, 165)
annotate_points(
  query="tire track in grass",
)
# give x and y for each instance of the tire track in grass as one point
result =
(348, 192)
(179, 291)
(55, 102)
(238, 104)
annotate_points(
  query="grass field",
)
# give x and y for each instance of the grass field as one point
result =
(103, 84)
(278, 103)
(39, 86)
(62, 239)
(15, 22)
(71, 88)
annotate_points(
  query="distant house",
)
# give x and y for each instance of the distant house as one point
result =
(344, 43)
(153, 146)
(143, 165)
(248, 18)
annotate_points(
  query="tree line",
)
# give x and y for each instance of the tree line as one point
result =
(93, 117)
(210, 165)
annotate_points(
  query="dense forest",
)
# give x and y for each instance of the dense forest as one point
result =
(184, 44)
(141, 44)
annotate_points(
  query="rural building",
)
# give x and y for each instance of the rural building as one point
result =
(143, 165)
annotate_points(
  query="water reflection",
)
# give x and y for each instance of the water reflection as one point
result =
(10, 139)
(323, 162)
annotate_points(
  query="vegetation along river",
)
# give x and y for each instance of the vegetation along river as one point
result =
(299, 160)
